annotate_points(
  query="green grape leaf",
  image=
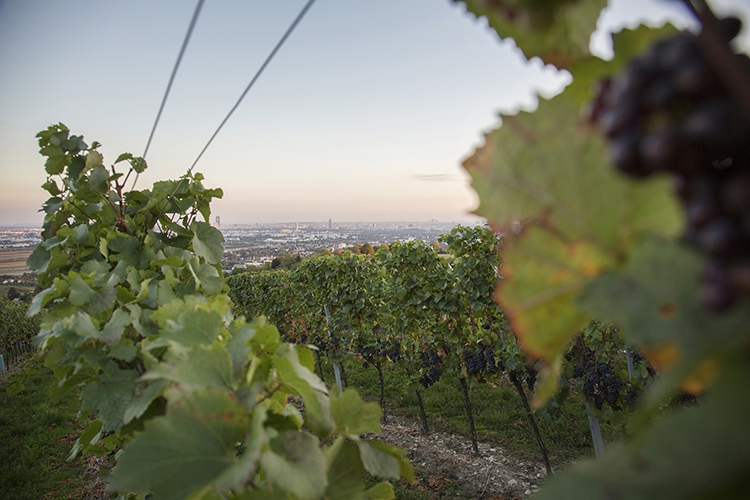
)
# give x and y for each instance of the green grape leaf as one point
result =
(655, 300)
(238, 348)
(111, 395)
(94, 159)
(90, 436)
(385, 460)
(381, 491)
(99, 179)
(52, 205)
(193, 445)
(207, 242)
(557, 32)
(123, 157)
(39, 260)
(80, 292)
(190, 327)
(352, 416)
(112, 331)
(199, 368)
(206, 276)
(296, 464)
(145, 395)
(51, 187)
(303, 382)
(139, 164)
(683, 457)
(56, 161)
(257, 438)
(344, 471)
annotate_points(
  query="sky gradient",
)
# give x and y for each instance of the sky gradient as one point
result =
(365, 114)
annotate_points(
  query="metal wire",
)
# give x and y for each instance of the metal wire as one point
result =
(255, 78)
(193, 21)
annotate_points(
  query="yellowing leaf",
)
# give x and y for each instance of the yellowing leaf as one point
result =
(550, 166)
(702, 377)
(662, 357)
(542, 278)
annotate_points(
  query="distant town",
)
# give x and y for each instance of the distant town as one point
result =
(257, 244)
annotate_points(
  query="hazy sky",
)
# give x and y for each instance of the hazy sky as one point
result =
(365, 114)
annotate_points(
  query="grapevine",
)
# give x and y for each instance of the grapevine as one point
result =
(190, 399)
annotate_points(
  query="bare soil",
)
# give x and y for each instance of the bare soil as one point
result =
(439, 458)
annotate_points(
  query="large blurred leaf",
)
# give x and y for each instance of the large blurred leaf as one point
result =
(655, 301)
(556, 31)
(345, 471)
(110, 396)
(385, 460)
(548, 165)
(542, 278)
(684, 457)
(189, 448)
(627, 44)
(549, 173)
(352, 416)
(296, 464)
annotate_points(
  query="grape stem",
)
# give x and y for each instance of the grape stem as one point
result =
(719, 55)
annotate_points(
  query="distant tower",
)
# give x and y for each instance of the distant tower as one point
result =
(218, 221)
(296, 226)
(330, 223)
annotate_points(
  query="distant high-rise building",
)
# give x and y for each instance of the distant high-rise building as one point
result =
(218, 221)
(330, 223)
(296, 226)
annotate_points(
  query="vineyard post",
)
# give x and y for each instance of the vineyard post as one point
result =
(596, 433)
(629, 359)
(336, 371)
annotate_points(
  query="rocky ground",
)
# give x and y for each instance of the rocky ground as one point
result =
(440, 458)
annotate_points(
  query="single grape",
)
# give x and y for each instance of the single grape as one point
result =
(625, 153)
(661, 150)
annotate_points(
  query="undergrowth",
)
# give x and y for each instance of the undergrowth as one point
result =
(36, 436)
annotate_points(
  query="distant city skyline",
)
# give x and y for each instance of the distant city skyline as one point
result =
(365, 114)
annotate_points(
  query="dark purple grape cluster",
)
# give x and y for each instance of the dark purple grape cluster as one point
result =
(670, 112)
(318, 342)
(433, 365)
(380, 351)
(531, 374)
(601, 384)
(482, 361)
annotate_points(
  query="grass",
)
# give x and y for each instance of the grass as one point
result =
(499, 415)
(36, 436)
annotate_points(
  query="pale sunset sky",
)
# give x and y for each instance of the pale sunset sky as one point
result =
(365, 114)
